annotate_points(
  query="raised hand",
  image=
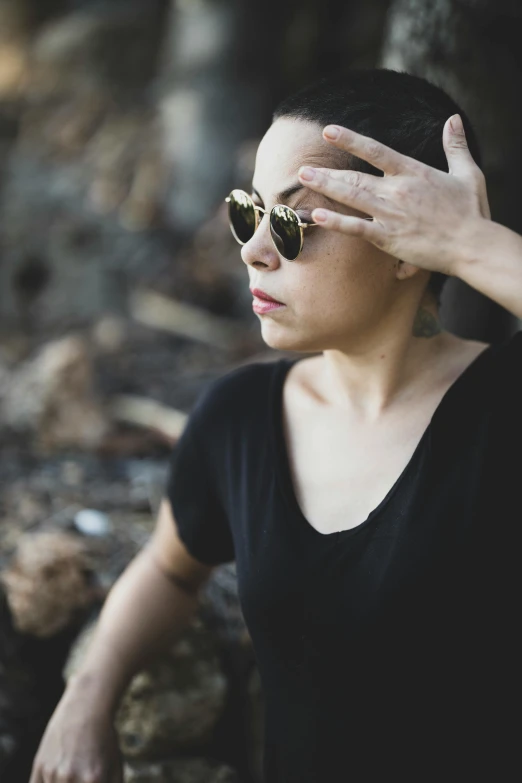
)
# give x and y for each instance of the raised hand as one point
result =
(420, 214)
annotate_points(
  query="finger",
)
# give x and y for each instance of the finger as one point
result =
(372, 151)
(460, 160)
(366, 228)
(369, 182)
(350, 195)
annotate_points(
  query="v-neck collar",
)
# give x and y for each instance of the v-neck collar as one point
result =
(282, 462)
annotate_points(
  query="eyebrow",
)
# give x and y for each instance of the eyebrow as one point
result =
(284, 195)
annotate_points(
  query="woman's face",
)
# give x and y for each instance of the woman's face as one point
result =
(340, 288)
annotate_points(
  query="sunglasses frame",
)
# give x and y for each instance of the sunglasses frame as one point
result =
(258, 209)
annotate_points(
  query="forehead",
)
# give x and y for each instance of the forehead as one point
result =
(287, 145)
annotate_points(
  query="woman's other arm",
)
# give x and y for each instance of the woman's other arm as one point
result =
(146, 610)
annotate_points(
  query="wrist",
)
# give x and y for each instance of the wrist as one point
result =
(474, 245)
(97, 697)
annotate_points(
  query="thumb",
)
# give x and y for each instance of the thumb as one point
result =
(456, 148)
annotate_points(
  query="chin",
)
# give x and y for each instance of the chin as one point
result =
(284, 340)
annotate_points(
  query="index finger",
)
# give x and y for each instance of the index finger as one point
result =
(372, 151)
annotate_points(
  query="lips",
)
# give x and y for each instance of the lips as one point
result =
(265, 297)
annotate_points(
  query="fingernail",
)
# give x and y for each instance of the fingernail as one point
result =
(319, 215)
(306, 172)
(332, 131)
(456, 124)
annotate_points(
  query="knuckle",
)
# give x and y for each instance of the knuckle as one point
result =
(71, 773)
(358, 228)
(93, 775)
(374, 150)
(46, 771)
(353, 178)
(350, 192)
(459, 143)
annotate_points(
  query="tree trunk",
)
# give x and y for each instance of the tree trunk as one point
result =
(471, 49)
(227, 65)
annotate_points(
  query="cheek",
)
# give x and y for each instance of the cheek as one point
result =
(344, 263)
(349, 280)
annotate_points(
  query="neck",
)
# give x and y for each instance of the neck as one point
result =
(386, 366)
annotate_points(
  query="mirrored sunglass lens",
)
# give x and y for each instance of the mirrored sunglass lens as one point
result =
(242, 215)
(284, 227)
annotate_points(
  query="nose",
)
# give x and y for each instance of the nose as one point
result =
(260, 251)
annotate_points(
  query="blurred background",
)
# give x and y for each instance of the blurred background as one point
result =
(123, 125)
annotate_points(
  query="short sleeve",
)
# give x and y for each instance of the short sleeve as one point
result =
(200, 518)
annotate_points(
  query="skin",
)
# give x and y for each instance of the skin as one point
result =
(367, 312)
(147, 609)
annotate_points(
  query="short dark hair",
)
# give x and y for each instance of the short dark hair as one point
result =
(405, 112)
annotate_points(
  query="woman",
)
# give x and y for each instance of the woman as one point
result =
(366, 489)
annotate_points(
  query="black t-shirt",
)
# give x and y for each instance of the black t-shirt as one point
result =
(390, 649)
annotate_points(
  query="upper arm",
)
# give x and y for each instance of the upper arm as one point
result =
(172, 555)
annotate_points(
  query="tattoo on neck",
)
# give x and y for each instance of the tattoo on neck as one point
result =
(426, 324)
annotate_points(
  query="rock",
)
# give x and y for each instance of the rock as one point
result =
(172, 706)
(47, 583)
(109, 334)
(53, 396)
(92, 523)
(190, 770)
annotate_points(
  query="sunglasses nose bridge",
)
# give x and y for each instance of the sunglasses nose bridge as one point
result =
(261, 213)
(261, 247)
(273, 232)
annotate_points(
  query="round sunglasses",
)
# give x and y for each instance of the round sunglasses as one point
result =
(286, 229)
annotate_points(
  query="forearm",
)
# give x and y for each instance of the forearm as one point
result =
(143, 614)
(490, 260)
